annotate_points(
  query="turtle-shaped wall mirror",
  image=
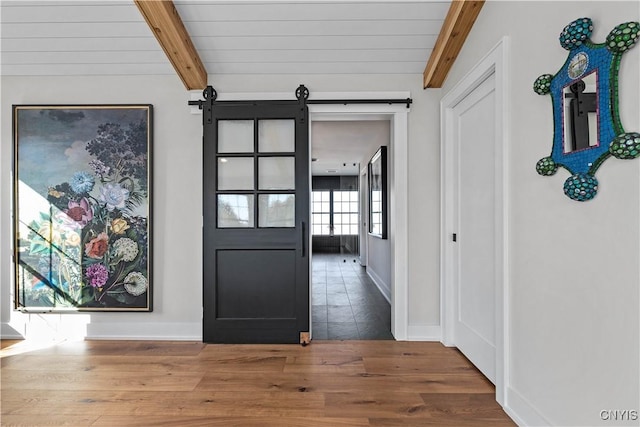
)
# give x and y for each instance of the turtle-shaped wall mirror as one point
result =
(586, 119)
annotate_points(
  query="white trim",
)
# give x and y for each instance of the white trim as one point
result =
(78, 326)
(495, 62)
(253, 96)
(522, 411)
(424, 333)
(356, 111)
(145, 331)
(380, 284)
(503, 139)
(195, 95)
(9, 333)
(398, 201)
(399, 226)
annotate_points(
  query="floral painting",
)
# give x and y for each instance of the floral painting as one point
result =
(82, 211)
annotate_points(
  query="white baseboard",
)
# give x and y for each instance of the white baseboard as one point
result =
(146, 331)
(9, 333)
(384, 287)
(104, 331)
(522, 412)
(424, 333)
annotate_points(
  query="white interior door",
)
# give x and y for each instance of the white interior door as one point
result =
(475, 288)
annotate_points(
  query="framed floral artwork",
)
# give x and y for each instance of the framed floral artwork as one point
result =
(82, 207)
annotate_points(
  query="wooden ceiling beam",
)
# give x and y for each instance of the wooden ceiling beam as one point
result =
(455, 29)
(167, 26)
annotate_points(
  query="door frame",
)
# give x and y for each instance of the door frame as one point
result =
(494, 63)
(397, 115)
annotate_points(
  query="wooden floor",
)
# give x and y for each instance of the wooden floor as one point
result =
(330, 383)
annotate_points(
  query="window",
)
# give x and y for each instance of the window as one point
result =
(335, 210)
(345, 212)
(321, 212)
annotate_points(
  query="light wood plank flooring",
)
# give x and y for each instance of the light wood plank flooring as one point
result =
(328, 383)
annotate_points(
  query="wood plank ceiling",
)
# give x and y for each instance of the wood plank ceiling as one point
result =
(240, 37)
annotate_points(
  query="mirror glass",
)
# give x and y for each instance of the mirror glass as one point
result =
(580, 111)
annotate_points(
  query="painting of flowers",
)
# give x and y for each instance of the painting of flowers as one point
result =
(82, 207)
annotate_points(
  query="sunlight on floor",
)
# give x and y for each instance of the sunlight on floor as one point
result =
(42, 331)
(16, 347)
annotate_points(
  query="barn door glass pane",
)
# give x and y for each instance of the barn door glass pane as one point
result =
(276, 136)
(235, 173)
(276, 173)
(235, 136)
(276, 210)
(236, 211)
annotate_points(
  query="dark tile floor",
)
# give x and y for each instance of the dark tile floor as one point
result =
(347, 305)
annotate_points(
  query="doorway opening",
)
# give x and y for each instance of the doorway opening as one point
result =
(350, 291)
(386, 106)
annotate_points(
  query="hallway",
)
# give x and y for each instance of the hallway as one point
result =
(347, 305)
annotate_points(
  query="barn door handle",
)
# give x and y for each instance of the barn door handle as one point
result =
(304, 239)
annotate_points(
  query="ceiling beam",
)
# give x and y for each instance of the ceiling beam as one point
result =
(455, 29)
(165, 22)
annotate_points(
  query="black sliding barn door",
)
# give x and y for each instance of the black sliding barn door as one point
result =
(256, 213)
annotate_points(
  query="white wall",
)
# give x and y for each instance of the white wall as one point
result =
(177, 158)
(379, 263)
(379, 250)
(178, 194)
(575, 267)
